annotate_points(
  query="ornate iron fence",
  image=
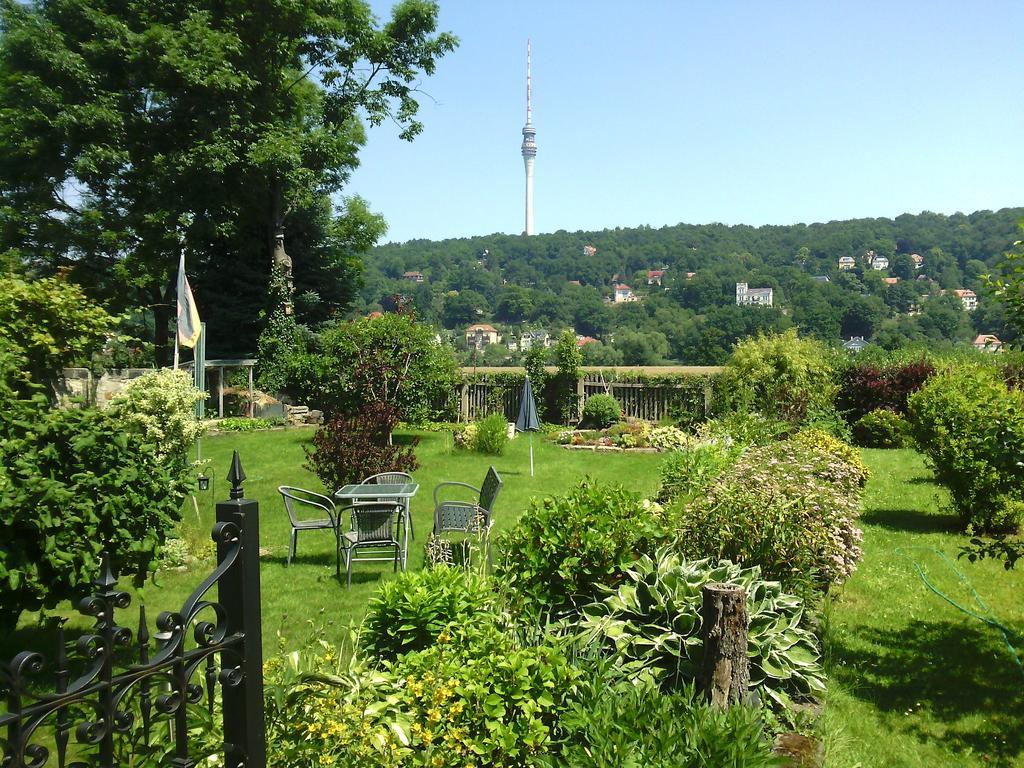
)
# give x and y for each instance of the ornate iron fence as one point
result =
(205, 643)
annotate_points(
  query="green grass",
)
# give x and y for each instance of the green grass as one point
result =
(294, 596)
(913, 681)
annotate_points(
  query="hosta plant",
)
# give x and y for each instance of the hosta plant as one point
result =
(652, 621)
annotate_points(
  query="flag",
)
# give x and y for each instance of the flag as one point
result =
(188, 315)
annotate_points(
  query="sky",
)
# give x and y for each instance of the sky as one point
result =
(660, 112)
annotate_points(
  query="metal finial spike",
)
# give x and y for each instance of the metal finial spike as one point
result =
(106, 579)
(236, 476)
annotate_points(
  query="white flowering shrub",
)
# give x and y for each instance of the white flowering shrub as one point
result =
(789, 507)
(161, 405)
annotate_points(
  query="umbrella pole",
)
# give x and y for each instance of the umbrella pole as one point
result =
(531, 454)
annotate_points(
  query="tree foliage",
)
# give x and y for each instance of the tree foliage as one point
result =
(133, 128)
(52, 323)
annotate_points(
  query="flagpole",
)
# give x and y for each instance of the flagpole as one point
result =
(175, 344)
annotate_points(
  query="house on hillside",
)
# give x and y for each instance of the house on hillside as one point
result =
(854, 344)
(878, 263)
(821, 279)
(760, 297)
(986, 342)
(416, 277)
(531, 339)
(918, 260)
(480, 335)
(968, 298)
(582, 341)
(890, 280)
(623, 293)
(847, 262)
(654, 276)
(589, 250)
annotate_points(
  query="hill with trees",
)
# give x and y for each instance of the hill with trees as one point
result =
(899, 285)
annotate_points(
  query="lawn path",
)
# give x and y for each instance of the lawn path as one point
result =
(914, 681)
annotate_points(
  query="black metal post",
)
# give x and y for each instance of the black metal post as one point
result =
(239, 593)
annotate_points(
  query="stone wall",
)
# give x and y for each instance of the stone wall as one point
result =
(82, 385)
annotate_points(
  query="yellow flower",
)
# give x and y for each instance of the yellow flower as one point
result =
(427, 737)
(437, 761)
(434, 715)
(457, 708)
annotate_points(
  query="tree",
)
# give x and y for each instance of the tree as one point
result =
(639, 348)
(514, 305)
(53, 325)
(389, 359)
(463, 308)
(902, 266)
(568, 359)
(1007, 285)
(134, 128)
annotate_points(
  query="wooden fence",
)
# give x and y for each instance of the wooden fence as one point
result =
(641, 397)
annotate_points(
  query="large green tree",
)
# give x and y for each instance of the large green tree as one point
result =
(133, 129)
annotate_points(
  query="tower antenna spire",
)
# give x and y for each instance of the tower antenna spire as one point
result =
(529, 146)
(529, 86)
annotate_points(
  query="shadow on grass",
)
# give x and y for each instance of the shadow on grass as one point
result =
(956, 674)
(912, 520)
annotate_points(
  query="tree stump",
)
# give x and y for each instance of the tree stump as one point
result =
(725, 672)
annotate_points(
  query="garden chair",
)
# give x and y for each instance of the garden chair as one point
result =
(395, 478)
(301, 503)
(466, 516)
(373, 531)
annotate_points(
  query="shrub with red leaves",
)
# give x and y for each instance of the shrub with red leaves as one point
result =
(350, 448)
(868, 387)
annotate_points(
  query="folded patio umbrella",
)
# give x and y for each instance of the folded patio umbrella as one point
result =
(527, 420)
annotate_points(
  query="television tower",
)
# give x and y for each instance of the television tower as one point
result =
(529, 147)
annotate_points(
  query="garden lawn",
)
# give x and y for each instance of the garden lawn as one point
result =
(912, 680)
(308, 591)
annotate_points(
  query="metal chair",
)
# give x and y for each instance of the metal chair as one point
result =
(465, 516)
(373, 529)
(298, 501)
(394, 478)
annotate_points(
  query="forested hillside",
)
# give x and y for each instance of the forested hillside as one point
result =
(520, 283)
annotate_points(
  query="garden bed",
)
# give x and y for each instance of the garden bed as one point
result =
(633, 436)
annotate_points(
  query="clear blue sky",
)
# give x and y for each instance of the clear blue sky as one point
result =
(670, 111)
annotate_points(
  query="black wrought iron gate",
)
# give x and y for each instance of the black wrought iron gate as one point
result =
(204, 644)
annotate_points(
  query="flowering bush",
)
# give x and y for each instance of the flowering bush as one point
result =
(491, 435)
(788, 507)
(161, 405)
(823, 441)
(474, 697)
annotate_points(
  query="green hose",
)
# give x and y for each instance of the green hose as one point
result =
(983, 614)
